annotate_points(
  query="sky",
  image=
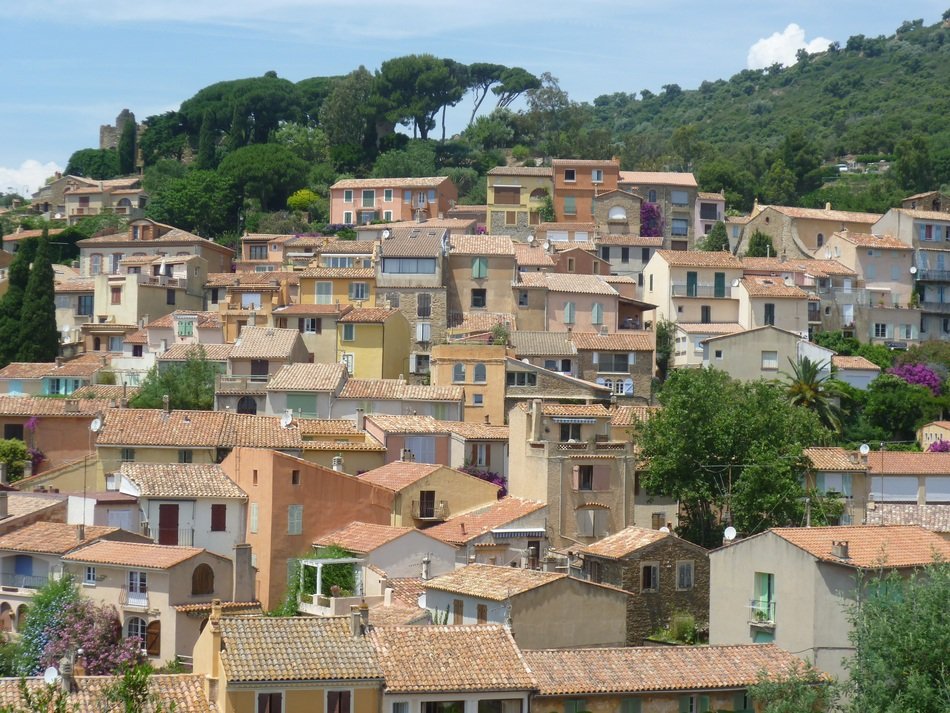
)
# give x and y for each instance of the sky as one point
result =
(72, 65)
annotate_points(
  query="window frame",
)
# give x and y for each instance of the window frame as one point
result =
(654, 568)
(295, 519)
(685, 566)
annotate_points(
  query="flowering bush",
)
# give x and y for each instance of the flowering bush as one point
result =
(489, 475)
(920, 374)
(651, 220)
(939, 446)
(36, 456)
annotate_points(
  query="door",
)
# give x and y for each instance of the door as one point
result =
(168, 524)
(691, 284)
(719, 284)
(259, 368)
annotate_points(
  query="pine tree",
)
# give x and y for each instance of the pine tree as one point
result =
(717, 239)
(39, 339)
(127, 149)
(207, 141)
(11, 305)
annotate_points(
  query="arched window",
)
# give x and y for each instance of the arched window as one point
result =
(821, 239)
(202, 580)
(247, 404)
(479, 377)
(618, 212)
(458, 372)
(135, 628)
(153, 638)
(124, 203)
(597, 313)
(21, 615)
(539, 194)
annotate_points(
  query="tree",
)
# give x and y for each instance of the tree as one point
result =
(899, 408)
(912, 167)
(302, 200)
(347, 115)
(269, 172)
(127, 148)
(207, 144)
(808, 387)
(482, 76)
(98, 164)
(651, 220)
(414, 88)
(760, 245)
(900, 637)
(717, 240)
(800, 688)
(164, 138)
(778, 185)
(919, 374)
(203, 202)
(130, 690)
(39, 338)
(189, 386)
(308, 143)
(514, 82)
(11, 304)
(665, 342)
(415, 161)
(14, 455)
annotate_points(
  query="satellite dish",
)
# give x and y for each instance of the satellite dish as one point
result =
(530, 240)
(789, 282)
(664, 529)
(51, 676)
(735, 282)
(864, 449)
(913, 269)
(547, 244)
(96, 425)
(286, 420)
(526, 360)
(386, 233)
(729, 533)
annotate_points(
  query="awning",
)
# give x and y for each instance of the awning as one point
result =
(505, 532)
(573, 419)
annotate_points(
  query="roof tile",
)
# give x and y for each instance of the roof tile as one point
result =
(870, 546)
(468, 526)
(265, 343)
(181, 480)
(493, 582)
(133, 554)
(362, 537)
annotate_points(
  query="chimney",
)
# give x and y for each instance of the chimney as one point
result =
(360, 421)
(406, 456)
(536, 420)
(839, 549)
(166, 404)
(3, 474)
(487, 420)
(364, 616)
(356, 624)
(104, 361)
(549, 563)
(59, 362)
(426, 568)
(828, 206)
(4, 510)
(337, 463)
(243, 584)
(388, 596)
(81, 532)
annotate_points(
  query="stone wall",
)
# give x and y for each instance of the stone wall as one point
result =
(520, 232)
(408, 305)
(641, 371)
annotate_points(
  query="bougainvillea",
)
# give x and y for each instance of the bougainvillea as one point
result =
(489, 475)
(920, 374)
(651, 220)
(939, 446)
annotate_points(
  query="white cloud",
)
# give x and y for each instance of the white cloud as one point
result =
(28, 177)
(782, 46)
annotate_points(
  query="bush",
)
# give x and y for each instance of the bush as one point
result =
(14, 454)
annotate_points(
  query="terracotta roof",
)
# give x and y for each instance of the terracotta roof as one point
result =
(265, 343)
(714, 328)
(474, 431)
(480, 245)
(20, 234)
(426, 182)
(568, 226)
(841, 216)
(832, 458)
(532, 256)
(309, 309)
(703, 195)
(51, 537)
(590, 410)
(183, 691)
(520, 171)
(105, 391)
(195, 429)
(912, 212)
(307, 377)
(816, 268)
(853, 362)
(362, 537)
(79, 284)
(82, 366)
(133, 554)
(622, 543)
(139, 337)
(368, 315)
(213, 352)
(330, 246)
(420, 240)
(305, 648)
(934, 517)
(664, 668)
(425, 659)
(407, 590)
(400, 474)
(398, 614)
(459, 529)
(869, 546)
(342, 273)
(407, 424)
(628, 416)
(25, 370)
(252, 608)
(327, 427)
(760, 286)
(658, 178)
(629, 341)
(699, 258)
(629, 240)
(541, 344)
(246, 277)
(181, 480)
(493, 582)
(908, 463)
(203, 320)
(46, 406)
(398, 390)
(869, 240)
(562, 282)
(559, 246)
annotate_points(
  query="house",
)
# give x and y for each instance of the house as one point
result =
(482, 445)
(791, 585)
(516, 195)
(304, 389)
(119, 196)
(692, 287)
(288, 665)
(397, 551)
(927, 232)
(527, 382)
(577, 182)
(20, 509)
(532, 257)
(937, 201)
(667, 679)
(30, 558)
(557, 302)
(834, 471)
(478, 274)
(508, 532)
(425, 494)
(579, 259)
(145, 582)
(674, 196)
(763, 353)
(251, 300)
(528, 600)
(184, 691)
(74, 298)
(564, 455)
(395, 397)
(710, 209)
(554, 351)
(50, 199)
(425, 438)
(930, 433)
(340, 445)
(857, 371)
(801, 232)
(384, 231)
(196, 505)
(59, 378)
(478, 369)
(622, 361)
(343, 285)
(316, 324)
(451, 668)
(689, 340)
(563, 234)
(261, 252)
(628, 254)
(358, 201)
(765, 301)
(291, 503)
(373, 343)
(665, 574)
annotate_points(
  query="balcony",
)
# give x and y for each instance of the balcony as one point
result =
(177, 536)
(936, 307)
(762, 612)
(150, 280)
(706, 291)
(933, 276)
(240, 384)
(592, 447)
(12, 582)
(438, 510)
(138, 600)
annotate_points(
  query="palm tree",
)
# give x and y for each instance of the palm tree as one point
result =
(809, 387)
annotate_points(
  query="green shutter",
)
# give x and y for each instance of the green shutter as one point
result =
(304, 404)
(720, 284)
(630, 705)
(703, 704)
(739, 702)
(686, 704)
(691, 284)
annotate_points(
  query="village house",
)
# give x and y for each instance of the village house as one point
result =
(802, 232)
(480, 445)
(628, 254)
(479, 370)
(857, 371)
(374, 343)
(184, 691)
(533, 257)
(516, 195)
(478, 274)
(358, 201)
(58, 378)
(397, 397)
(763, 353)
(937, 201)
(561, 302)
(249, 299)
(74, 297)
(576, 184)
(317, 324)
(622, 361)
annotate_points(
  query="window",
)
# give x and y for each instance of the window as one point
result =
(349, 333)
(769, 360)
(694, 704)
(185, 455)
(432, 195)
(458, 373)
(597, 313)
(135, 628)
(705, 314)
(393, 299)
(615, 362)
(511, 217)
(219, 517)
(186, 328)
(570, 205)
(625, 254)
(270, 702)
(522, 298)
(339, 701)
(650, 577)
(116, 294)
(295, 477)
(605, 252)
(597, 176)
(839, 483)
(138, 583)
(348, 360)
(348, 196)
(584, 477)
(312, 325)
(479, 374)
(570, 432)
(84, 305)
(347, 217)
(478, 399)
(575, 705)
(359, 291)
(257, 252)
(252, 518)
(763, 602)
(684, 575)
(294, 519)
(400, 707)
(479, 267)
(423, 332)
(719, 354)
(458, 611)
(570, 264)
(409, 265)
(95, 264)
(880, 330)
(423, 304)
(769, 315)
(522, 378)
(570, 175)
(679, 226)
(127, 455)
(651, 196)
(481, 613)
(679, 198)
(368, 198)
(630, 705)
(90, 576)
(479, 298)
(202, 579)
(324, 294)
(568, 313)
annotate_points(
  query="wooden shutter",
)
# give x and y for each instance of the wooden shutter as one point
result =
(507, 195)
(601, 477)
(577, 477)
(153, 638)
(219, 517)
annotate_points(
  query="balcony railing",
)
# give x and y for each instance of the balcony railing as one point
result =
(934, 275)
(133, 599)
(762, 612)
(241, 384)
(430, 511)
(938, 307)
(588, 447)
(185, 536)
(689, 290)
(22, 581)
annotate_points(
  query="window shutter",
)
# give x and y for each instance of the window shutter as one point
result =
(703, 704)
(601, 477)
(738, 702)
(577, 477)
(219, 513)
(685, 702)
(153, 638)
(300, 324)
(487, 454)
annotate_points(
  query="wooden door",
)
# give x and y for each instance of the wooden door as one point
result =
(168, 524)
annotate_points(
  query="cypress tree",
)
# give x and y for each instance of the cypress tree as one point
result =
(39, 339)
(207, 143)
(11, 305)
(127, 149)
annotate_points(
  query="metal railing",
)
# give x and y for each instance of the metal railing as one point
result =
(762, 611)
(22, 581)
(133, 599)
(934, 275)
(938, 307)
(185, 536)
(430, 511)
(253, 384)
(690, 290)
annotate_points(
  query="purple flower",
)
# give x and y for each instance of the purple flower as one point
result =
(919, 374)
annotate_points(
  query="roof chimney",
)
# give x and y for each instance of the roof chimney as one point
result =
(3, 474)
(4, 510)
(487, 420)
(59, 362)
(166, 404)
(356, 622)
(360, 419)
(337, 463)
(406, 456)
(243, 579)
(828, 206)
(839, 549)
(426, 568)
(536, 420)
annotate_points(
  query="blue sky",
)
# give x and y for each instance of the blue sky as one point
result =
(71, 66)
